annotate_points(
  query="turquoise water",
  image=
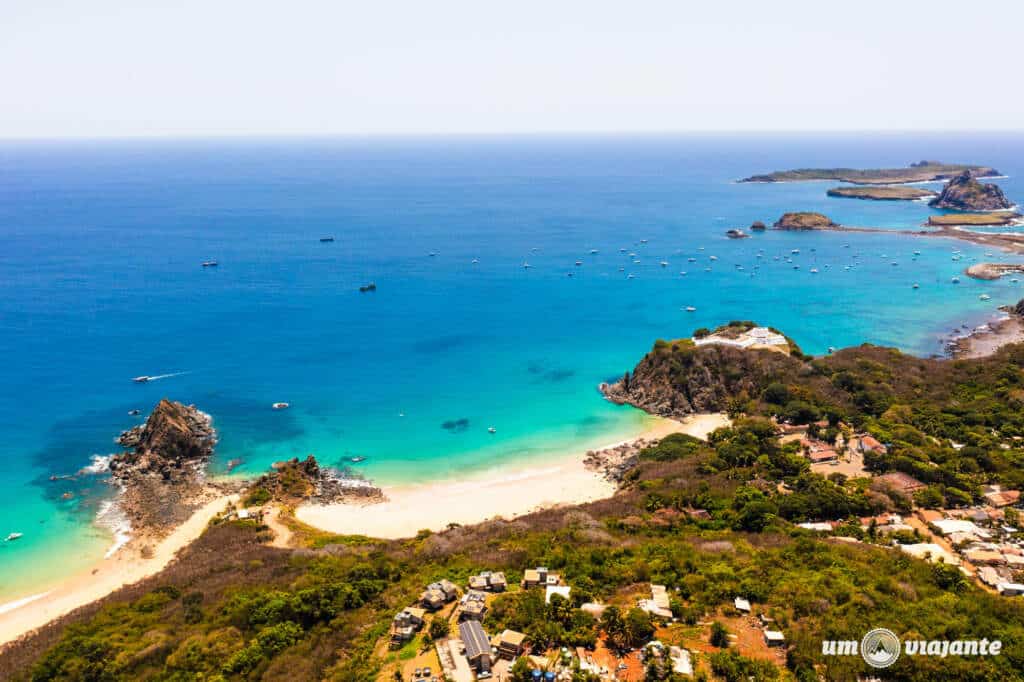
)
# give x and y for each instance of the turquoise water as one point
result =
(100, 281)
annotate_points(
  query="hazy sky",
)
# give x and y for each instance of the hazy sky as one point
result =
(213, 67)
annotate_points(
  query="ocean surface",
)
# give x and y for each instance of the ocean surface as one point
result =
(101, 245)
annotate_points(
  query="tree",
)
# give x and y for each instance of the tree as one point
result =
(439, 629)
(719, 635)
(639, 628)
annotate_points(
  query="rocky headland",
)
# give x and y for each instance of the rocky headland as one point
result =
(881, 193)
(965, 193)
(993, 219)
(162, 475)
(922, 171)
(804, 220)
(991, 271)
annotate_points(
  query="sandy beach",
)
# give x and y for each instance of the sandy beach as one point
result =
(489, 494)
(123, 568)
(1004, 332)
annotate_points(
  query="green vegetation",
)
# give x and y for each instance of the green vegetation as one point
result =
(882, 193)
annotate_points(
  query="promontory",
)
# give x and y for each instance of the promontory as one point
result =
(804, 220)
(965, 193)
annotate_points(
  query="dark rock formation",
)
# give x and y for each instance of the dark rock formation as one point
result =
(804, 220)
(965, 193)
(757, 225)
(162, 474)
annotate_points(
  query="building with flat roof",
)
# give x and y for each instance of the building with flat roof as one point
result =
(510, 644)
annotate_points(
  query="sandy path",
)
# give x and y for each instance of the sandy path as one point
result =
(505, 493)
(124, 568)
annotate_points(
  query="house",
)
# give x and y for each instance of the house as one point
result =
(818, 451)
(822, 526)
(741, 604)
(510, 644)
(755, 337)
(438, 594)
(477, 647)
(931, 552)
(658, 604)
(405, 625)
(473, 605)
(901, 482)
(681, 663)
(535, 577)
(1010, 589)
(774, 638)
(870, 444)
(984, 556)
(989, 576)
(1002, 498)
(594, 609)
(968, 528)
(551, 590)
(488, 581)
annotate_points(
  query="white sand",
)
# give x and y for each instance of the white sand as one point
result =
(490, 494)
(123, 568)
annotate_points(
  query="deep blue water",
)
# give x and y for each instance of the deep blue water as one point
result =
(100, 280)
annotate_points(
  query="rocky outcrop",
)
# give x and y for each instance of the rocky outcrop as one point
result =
(881, 193)
(163, 472)
(804, 220)
(676, 380)
(757, 226)
(295, 481)
(965, 193)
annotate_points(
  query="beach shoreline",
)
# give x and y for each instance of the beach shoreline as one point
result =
(129, 565)
(505, 492)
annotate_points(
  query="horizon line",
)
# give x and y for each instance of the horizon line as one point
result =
(504, 134)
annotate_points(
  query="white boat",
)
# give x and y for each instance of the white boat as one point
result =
(795, 251)
(984, 297)
(631, 276)
(280, 406)
(142, 379)
(209, 264)
(663, 263)
(475, 261)
(13, 536)
(814, 271)
(643, 241)
(579, 262)
(593, 252)
(491, 429)
(714, 257)
(690, 309)
(916, 285)
(955, 280)
(526, 266)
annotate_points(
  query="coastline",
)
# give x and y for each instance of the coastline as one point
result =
(21, 616)
(505, 492)
(979, 344)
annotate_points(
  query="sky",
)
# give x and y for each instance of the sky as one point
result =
(122, 68)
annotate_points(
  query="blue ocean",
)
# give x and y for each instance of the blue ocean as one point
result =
(101, 280)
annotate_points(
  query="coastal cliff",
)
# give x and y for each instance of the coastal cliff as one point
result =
(965, 193)
(678, 379)
(162, 474)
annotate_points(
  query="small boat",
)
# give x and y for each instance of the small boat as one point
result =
(682, 273)
(433, 254)
(631, 276)
(795, 251)
(209, 263)
(690, 309)
(643, 241)
(280, 406)
(955, 280)
(368, 287)
(475, 261)
(984, 297)
(134, 413)
(357, 459)
(714, 257)
(814, 271)
(916, 285)
(326, 239)
(831, 349)
(526, 266)
(917, 253)
(736, 234)
(663, 263)
(622, 250)
(579, 263)
(142, 379)
(491, 429)
(593, 252)
(13, 536)
(691, 260)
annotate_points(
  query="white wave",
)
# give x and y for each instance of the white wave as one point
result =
(18, 603)
(100, 464)
(112, 517)
(167, 376)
